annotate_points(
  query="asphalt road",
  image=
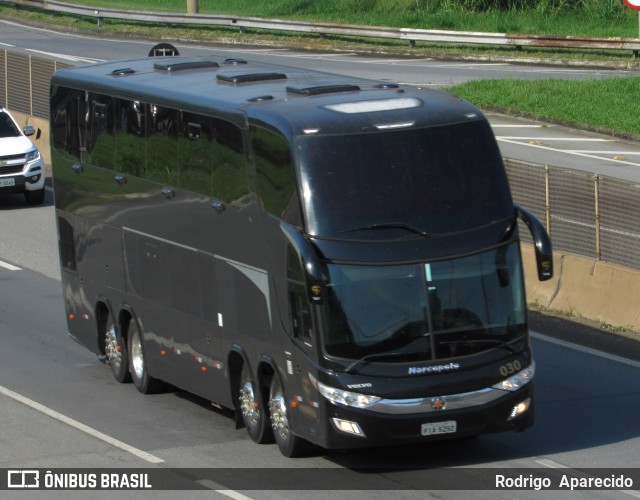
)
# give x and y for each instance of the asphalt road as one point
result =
(60, 407)
(518, 138)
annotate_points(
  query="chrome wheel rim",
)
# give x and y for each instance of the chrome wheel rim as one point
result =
(112, 349)
(137, 360)
(278, 414)
(248, 404)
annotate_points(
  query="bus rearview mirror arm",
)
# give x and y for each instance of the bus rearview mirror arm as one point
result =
(541, 243)
(310, 262)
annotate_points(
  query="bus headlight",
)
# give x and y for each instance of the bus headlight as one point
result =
(518, 380)
(347, 398)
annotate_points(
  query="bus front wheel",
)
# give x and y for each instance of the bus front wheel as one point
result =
(254, 415)
(289, 444)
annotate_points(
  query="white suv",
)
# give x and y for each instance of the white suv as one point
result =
(21, 167)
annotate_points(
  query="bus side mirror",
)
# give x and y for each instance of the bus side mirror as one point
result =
(310, 262)
(541, 243)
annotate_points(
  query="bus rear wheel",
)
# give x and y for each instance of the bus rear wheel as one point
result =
(144, 382)
(289, 444)
(115, 350)
(254, 416)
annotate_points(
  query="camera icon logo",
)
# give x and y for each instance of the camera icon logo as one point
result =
(23, 479)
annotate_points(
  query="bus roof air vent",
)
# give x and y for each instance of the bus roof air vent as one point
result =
(123, 72)
(234, 61)
(387, 86)
(261, 98)
(323, 89)
(181, 66)
(251, 77)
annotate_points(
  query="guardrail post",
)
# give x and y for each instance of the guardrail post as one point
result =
(597, 215)
(192, 7)
(547, 205)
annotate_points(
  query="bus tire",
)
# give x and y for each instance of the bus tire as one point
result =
(254, 416)
(115, 350)
(289, 444)
(144, 382)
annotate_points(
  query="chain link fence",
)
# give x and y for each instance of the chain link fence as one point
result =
(586, 214)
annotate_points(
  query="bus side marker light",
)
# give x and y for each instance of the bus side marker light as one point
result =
(71, 316)
(203, 369)
(348, 427)
(163, 353)
(520, 408)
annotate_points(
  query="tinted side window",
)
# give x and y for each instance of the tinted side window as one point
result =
(67, 122)
(130, 137)
(275, 175)
(229, 164)
(100, 131)
(162, 163)
(195, 149)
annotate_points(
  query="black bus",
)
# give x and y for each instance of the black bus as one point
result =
(335, 259)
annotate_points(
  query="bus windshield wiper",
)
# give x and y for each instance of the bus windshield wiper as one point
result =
(390, 225)
(378, 355)
(496, 342)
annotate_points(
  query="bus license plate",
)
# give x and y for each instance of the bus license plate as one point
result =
(434, 428)
(7, 182)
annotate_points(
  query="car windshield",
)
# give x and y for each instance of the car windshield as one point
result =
(425, 311)
(429, 181)
(7, 127)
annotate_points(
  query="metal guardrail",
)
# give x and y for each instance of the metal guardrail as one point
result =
(412, 35)
(586, 214)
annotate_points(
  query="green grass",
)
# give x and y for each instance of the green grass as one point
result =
(610, 103)
(562, 17)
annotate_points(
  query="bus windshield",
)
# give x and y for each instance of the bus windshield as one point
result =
(425, 311)
(433, 181)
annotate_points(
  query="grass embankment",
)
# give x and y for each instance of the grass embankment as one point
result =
(610, 18)
(610, 103)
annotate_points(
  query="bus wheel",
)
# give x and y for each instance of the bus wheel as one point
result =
(144, 382)
(115, 350)
(289, 444)
(253, 415)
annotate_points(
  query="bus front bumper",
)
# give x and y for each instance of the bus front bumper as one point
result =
(397, 424)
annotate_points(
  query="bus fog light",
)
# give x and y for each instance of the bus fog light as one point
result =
(348, 427)
(520, 408)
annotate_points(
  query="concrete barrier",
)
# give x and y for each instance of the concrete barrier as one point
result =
(586, 288)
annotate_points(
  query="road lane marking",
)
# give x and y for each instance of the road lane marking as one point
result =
(575, 472)
(80, 426)
(65, 56)
(556, 150)
(572, 139)
(587, 350)
(228, 493)
(505, 125)
(9, 266)
(626, 153)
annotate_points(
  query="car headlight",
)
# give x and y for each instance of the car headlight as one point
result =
(33, 155)
(518, 380)
(347, 398)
